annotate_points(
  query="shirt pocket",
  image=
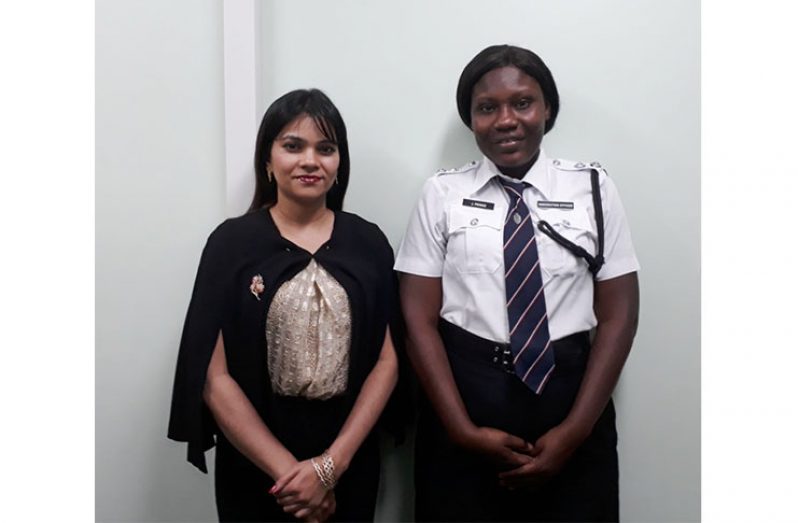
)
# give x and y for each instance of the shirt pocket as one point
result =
(575, 226)
(475, 239)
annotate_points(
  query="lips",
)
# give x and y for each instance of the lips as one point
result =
(508, 140)
(508, 145)
(308, 179)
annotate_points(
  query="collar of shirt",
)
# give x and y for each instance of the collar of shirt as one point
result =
(537, 176)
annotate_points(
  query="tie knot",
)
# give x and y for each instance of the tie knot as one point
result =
(513, 189)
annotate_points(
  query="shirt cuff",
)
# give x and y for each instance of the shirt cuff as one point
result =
(418, 267)
(618, 267)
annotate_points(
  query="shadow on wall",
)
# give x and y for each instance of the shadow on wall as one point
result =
(458, 147)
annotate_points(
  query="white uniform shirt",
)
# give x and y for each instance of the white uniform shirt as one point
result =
(462, 243)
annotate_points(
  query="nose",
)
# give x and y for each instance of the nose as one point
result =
(309, 161)
(505, 118)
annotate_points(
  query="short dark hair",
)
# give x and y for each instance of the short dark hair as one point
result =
(497, 56)
(281, 112)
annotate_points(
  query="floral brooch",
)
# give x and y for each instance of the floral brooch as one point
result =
(257, 287)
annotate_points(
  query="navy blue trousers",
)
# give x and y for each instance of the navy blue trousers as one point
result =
(454, 485)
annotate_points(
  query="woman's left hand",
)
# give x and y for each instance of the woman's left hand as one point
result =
(550, 453)
(299, 491)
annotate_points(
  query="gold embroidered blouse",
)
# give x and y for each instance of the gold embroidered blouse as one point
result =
(308, 330)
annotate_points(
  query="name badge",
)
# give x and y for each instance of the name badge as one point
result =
(555, 205)
(478, 204)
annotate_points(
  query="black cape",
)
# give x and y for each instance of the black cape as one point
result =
(357, 255)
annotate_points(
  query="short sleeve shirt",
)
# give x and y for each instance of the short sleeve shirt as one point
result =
(456, 233)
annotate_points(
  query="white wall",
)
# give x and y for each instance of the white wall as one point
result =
(628, 78)
(160, 189)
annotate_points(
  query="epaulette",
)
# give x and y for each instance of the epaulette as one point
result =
(464, 168)
(594, 263)
(568, 165)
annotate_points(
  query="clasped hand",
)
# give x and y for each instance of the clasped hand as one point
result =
(301, 494)
(547, 457)
(498, 447)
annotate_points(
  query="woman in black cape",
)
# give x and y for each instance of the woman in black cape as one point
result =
(286, 360)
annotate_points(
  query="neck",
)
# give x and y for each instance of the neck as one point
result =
(300, 213)
(519, 171)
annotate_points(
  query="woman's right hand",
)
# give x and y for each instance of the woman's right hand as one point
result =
(498, 447)
(300, 491)
(325, 510)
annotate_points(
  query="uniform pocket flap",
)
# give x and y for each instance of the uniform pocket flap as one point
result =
(567, 219)
(468, 217)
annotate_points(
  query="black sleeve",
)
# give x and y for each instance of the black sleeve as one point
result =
(400, 411)
(190, 419)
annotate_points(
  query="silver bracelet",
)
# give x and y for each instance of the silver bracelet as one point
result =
(325, 470)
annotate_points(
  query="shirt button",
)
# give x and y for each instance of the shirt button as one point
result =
(474, 221)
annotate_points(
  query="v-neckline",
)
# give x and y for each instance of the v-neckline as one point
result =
(324, 245)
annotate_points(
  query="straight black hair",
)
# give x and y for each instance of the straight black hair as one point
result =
(497, 56)
(315, 104)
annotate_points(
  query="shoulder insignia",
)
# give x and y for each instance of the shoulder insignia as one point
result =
(464, 168)
(568, 165)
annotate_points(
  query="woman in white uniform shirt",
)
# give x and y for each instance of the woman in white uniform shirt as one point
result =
(496, 442)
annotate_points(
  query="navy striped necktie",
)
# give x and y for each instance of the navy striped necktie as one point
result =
(533, 354)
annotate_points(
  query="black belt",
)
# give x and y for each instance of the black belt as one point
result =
(471, 347)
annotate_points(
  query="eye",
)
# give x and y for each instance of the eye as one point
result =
(524, 103)
(291, 146)
(486, 108)
(327, 149)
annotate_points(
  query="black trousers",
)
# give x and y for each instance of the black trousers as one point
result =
(453, 485)
(306, 428)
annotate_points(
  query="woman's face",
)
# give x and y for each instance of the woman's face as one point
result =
(508, 118)
(303, 161)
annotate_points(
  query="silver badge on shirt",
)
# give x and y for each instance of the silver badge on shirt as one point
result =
(555, 205)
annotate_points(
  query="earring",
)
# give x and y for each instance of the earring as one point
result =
(269, 175)
(336, 179)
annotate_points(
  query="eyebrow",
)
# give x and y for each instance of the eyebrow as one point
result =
(518, 94)
(300, 139)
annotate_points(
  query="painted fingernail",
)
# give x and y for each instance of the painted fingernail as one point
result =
(273, 489)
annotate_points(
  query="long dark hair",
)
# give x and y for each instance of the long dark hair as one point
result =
(281, 112)
(497, 56)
